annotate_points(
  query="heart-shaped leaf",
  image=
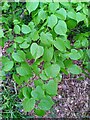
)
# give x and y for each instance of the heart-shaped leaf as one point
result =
(74, 55)
(51, 87)
(53, 70)
(24, 45)
(52, 21)
(53, 6)
(31, 6)
(19, 39)
(39, 112)
(28, 104)
(8, 65)
(26, 29)
(37, 93)
(26, 92)
(46, 103)
(17, 29)
(48, 54)
(19, 56)
(60, 44)
(74, 69)
(61, 28)
(24, 70)
(61, 14)
(36, 50)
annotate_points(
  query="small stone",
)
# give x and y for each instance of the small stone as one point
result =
(59, 96)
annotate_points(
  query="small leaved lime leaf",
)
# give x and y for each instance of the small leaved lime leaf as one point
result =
(24, 45)
(53, 70)
(37, 93)
(53, 6)
(31, 6)
(51, 87)
(17, 79)
(8, 65)
(36, 50)
(39, 112)
(26, 29)
(26, 92)
(19, 56)
(61, 14)
(74, 69)
(28, 104)
(48, 54)
(61, 28)
(1, 33)
(24, 70)
(17, 29)
(19, 39)
(46, 103)
(60, 45)
(74, 55)
(52, 21)
(80, 17)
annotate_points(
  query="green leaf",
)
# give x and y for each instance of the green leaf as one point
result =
(25, 78)
(39, 112)
(61, 28)
(37, 93)
(31, 6)
(68, 63)
(79, 7)
(85, 42)
(74, 69)
(28, 104)
(46, 103)
(61, 14)
(31, 25)
(36, 50)
(20, 94)
(36, 69)
(43, 76)
(1, 33)
(46, 38)
(88, 52)
(17, 79)
(42, 14)
(17, 29)
(60, 45)
(72, 15)
(67, 44)
(53, 70)
(26, 92)
(8, 65)
(80, 17)
(85, 10)
(38, 83)
(48, 54)
(34, 35)
(71, 24)
(53, 6)
(51, 88)
(16, 22)
(19, 56)
(24, 70)
(24, 45)
(19, 39)
(74, 55)
(26, 29)
(52, 21)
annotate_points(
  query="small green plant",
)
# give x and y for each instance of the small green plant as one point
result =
(45, 39)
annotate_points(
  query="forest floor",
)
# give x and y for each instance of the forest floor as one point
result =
(72, 100)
